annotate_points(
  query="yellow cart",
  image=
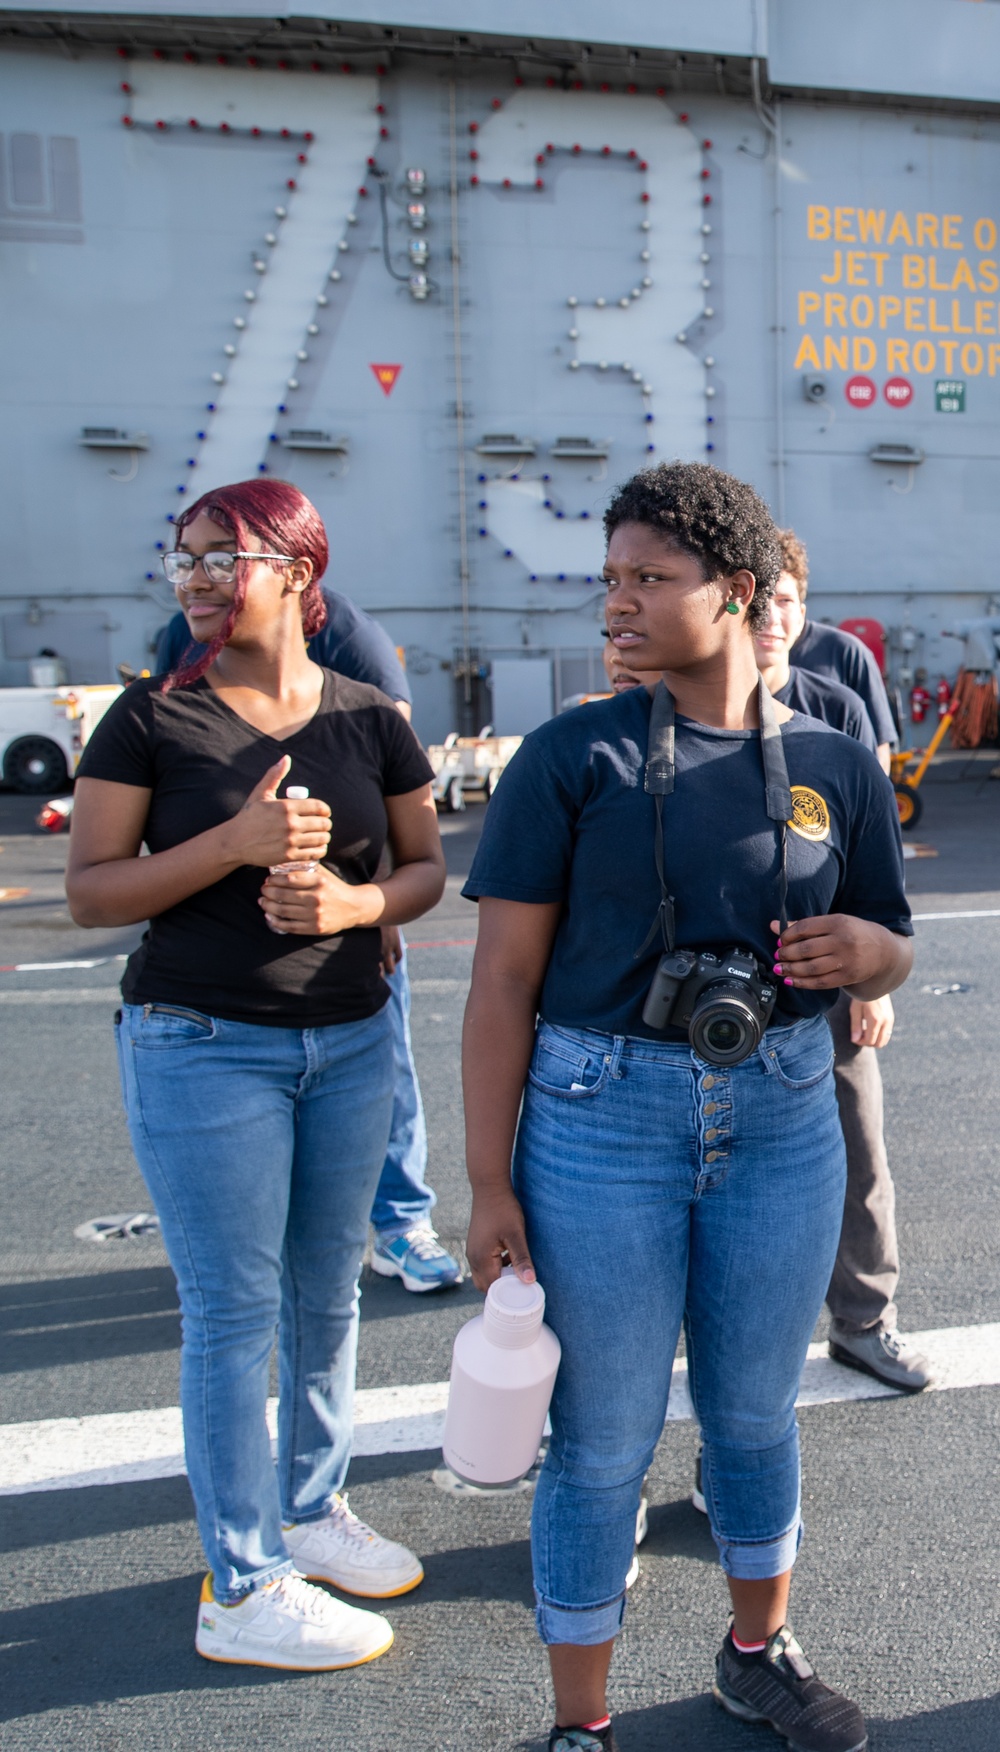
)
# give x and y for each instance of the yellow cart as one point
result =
(907, 785)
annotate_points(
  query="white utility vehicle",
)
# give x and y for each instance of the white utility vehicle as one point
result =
(44, 731)
(469, 763)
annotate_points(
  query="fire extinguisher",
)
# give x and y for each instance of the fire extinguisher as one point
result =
(942, 693)
(920, 700)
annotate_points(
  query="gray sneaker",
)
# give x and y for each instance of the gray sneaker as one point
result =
(886, 1355)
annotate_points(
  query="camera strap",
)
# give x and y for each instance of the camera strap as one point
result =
(660, 775)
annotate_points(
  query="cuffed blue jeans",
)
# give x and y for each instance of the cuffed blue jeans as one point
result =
(659, 1189)
(261, 1148)
(403, 1200)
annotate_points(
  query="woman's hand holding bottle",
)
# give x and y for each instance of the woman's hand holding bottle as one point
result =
(496, 1236)
(276, 830)
(317, 903)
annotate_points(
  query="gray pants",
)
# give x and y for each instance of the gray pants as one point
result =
(863, 1286)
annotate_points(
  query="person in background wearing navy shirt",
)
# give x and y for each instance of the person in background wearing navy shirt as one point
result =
(406, 1245)
(647, 1184)
(862, 1292)
(839, 656)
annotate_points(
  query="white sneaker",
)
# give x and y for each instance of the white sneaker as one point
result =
(289, 1624)
(641, 1529)
(342, 1550)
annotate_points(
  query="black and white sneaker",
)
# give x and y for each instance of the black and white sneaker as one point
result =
(778, 1686)
(583, 1740)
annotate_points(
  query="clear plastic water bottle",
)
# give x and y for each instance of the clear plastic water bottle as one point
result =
(503, 1370)
(294, 793)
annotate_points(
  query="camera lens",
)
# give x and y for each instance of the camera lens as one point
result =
(724, 1027)
(723, 1034)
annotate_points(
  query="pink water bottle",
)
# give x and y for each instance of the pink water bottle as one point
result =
(503, 1369)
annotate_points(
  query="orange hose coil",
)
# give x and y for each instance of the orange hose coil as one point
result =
(974, 705)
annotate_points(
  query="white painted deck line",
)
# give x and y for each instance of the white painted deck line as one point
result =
(65, 995)
(988, 914)
(123, 1447)
(112, 994)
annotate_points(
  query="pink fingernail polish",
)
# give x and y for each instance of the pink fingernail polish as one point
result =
(777, 967)
(789, 982)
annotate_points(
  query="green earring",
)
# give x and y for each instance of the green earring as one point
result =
(732, 608)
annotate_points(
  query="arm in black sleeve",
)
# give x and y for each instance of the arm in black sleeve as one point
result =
(869, 684)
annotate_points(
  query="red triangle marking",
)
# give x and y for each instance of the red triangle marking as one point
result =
(386, 376)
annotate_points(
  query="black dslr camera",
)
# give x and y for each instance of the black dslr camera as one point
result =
(724, 1002)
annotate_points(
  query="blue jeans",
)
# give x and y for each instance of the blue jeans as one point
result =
(403, 1199)
(261, 1148)
(659, 1189)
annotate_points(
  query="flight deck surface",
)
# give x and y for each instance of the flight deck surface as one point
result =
(895, 1592)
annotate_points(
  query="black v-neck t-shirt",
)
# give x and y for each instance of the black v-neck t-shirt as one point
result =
(214, 951)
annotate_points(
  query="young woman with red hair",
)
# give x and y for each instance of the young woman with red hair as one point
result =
(255, 1049)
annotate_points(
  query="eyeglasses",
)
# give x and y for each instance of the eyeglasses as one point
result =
(218, 568)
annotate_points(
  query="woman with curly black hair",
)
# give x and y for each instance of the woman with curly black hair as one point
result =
(678, 1156)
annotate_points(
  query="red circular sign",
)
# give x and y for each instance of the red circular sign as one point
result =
(898, 391)
(860, 391)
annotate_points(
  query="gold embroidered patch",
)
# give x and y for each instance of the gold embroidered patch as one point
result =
(810, 815)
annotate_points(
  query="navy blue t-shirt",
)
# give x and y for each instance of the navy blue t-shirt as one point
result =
(828, 651)
(571, 822)
(840, 707)
(351, 643)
